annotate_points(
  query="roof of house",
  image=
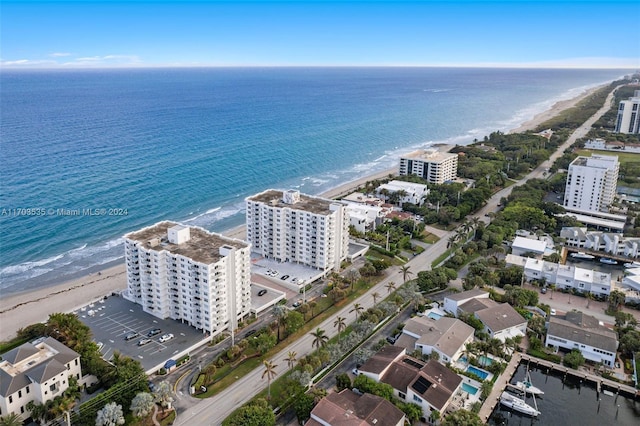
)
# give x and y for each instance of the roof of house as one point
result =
(432, 380)
(528, 244)
(445, 334)
(468, 294)
(500, 317)
(348, 408)
(585, 329)
(380, 360)
(475, 305)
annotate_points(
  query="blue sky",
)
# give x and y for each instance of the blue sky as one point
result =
(428, 33)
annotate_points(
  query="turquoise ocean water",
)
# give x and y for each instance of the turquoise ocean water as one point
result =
(190, 144)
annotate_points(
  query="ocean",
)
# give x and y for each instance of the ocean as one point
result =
(569, 401)
(89, 155)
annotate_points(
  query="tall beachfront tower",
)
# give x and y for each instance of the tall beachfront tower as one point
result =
(189, 274)
(434, 166)
(591, 183)
(293, 227)
(629, 115)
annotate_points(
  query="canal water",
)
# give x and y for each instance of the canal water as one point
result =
(568, 402)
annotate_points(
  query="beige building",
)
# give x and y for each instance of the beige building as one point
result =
(38, 371)
(291, 227)
(189, 274)
(434, 166)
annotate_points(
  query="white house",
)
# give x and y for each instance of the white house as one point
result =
(579, 331)
(453, 301)
(502, 321)
(413, 193)
(445, 336)
(38, 371)
(365, 217)
(522, 245)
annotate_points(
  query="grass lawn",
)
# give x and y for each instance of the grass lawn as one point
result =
(430, 238)
(623, 157)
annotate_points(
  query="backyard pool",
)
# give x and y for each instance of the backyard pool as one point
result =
(478, 372)
(471, 390)
(434, 316)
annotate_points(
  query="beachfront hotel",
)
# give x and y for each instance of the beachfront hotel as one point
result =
(189, 274)
(35, 372)
(291, 227)
(434, 166)
(628, 120)
(591, 183)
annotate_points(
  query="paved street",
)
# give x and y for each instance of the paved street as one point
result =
(214, 410)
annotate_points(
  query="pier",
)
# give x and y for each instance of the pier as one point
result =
(502, 382)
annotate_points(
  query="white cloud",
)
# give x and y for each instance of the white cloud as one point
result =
(59, 54)
(26, 63)
(56, 61)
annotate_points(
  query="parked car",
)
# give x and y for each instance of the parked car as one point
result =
(298, 303)
(262, 292)
(144, 341)
(355, 372)
(552, 311)
(544, 290)
(250, 333)
(132, 335)
(165, 338)
(154, 332)
(284, 277)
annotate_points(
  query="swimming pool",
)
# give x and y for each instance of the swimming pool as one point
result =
(485, 360)
(471, 390)
(478, 372)
(434, 316)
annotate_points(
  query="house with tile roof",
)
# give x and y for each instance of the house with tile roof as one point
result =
(38, 371)
(586, 333)
(502, 321)
(430, 385)
(348, 408)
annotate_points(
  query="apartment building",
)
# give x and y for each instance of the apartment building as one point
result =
(432, 165)
(591, 183)
(291, 227)
(606, 242)
(189, 274)
(628, 120)
(406, 192)
(37, 371)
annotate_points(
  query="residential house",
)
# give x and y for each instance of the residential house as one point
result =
(347, 408)
(453, 301)
(502, 321)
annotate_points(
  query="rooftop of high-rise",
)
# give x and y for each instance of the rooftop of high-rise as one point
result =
(297, 201)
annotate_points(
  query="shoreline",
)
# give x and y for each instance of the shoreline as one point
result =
(30, 306)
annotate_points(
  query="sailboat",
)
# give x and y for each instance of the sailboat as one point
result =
(527, 387)
(518, 404)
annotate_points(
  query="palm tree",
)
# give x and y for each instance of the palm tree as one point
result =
(452, 241)
(341, 324)
(589, 297)
(280, 312)
(390, 286)
(375, 296)
(312, 305)
(406, 273)
(270, 373)
(357, 308)
(291, 358)
(319, 338)
(110, 415)
(11, 419)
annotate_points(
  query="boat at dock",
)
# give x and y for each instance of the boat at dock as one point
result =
(632, 265)
(608, 261)
(582, 255)
(527, 387)
(517, 404)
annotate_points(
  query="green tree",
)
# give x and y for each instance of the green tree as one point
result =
(280, 312)
(341, 324)
(573, 359)
(302, 406)
(110, 415)
(11, 419)
(413, 412)
(406, 273)
(616, 299)
(343, 382)
(291, 358)
(357, 308)
(164, 394)
(462, 418)
(375, 296)
(365, 384)
(270, 373)
(142, 404)
(293, 322)
(319, 338)
(256, 413)
(390, 287)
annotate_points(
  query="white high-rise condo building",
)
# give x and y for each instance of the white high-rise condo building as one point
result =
(434, 166)
(629, 115)
(189, 274)
(591, 183)
(293, 227)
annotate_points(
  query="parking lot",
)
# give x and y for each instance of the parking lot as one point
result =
(291, 275)
(113, 318)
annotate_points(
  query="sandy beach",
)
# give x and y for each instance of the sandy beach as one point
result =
(22, 309)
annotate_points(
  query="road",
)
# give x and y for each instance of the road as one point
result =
(214, 410)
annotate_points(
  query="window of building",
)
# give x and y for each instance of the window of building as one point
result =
(416, 399)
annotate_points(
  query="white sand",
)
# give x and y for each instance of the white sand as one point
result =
(18, 311)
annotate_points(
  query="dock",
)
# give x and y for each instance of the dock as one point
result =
(502, 382)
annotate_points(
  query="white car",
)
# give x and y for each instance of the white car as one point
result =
(552, 311)
(165, 338)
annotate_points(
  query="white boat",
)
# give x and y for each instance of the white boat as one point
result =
(582, 255)
(517, 404)
(632, 265)
(527, 387)
(608, 261)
